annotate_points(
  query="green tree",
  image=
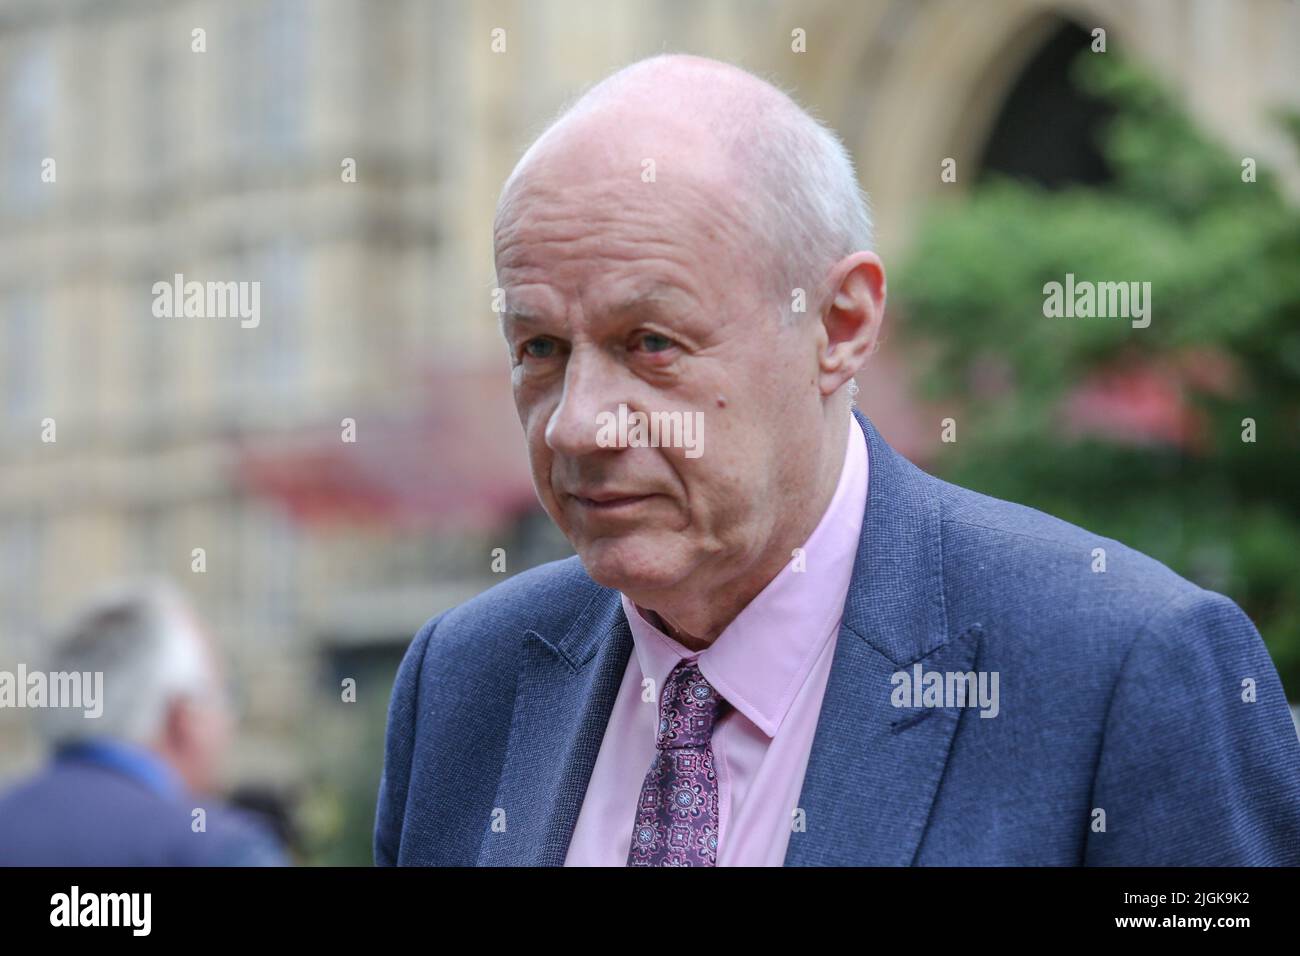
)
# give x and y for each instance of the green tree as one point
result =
(1135, 433)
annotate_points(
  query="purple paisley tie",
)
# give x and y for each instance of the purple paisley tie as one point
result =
(677, 814)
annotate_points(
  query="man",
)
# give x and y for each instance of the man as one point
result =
(784, 643)
(131, 786)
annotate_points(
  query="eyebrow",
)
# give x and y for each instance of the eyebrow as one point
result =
(653, 296)
(515, 317)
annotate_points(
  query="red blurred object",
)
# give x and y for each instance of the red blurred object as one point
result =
(456, 461)
(1146, 401)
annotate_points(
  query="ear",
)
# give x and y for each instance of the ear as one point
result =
(851, 319)
(178, 723)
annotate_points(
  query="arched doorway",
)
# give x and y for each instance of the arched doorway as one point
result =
(1048, 128)
(910, 85)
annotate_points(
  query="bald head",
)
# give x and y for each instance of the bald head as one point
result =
(785, 179)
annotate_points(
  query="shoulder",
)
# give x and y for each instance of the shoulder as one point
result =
(540, 598)
(71, 813)
(1047, 589)
(452, 700)
(1040, 578)
(482, 636)
(1124, 633)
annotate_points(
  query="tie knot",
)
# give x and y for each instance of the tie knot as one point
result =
(688, 709)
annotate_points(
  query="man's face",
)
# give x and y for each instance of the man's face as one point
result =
(648, 294)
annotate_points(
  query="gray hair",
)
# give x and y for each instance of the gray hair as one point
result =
(142, 638)
(810, 211)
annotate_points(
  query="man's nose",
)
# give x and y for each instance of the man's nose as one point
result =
(589, 390)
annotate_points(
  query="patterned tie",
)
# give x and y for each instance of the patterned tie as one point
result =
(677, 815)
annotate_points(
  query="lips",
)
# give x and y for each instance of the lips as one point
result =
(604, 501)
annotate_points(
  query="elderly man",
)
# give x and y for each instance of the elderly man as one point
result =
(780, 642)
(131, 786)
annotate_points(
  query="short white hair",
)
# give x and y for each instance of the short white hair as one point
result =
(141, 636)
(809, 210)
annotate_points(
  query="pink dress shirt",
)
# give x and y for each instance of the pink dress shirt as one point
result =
(771, 663)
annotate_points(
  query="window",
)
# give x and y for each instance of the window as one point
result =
(267, 359)
(29, 101)
(268, 83)
(22, 354)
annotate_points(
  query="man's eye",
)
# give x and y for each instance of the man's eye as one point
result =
(654, 342)
(539, 348)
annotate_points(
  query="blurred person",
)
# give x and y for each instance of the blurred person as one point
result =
(122, 789)
(274, 810)
(780, 645)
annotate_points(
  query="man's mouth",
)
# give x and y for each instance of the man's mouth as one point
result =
(610, 503)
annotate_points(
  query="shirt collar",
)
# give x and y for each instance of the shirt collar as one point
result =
(762, 658)
(136, 762)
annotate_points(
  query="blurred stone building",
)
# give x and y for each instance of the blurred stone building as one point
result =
(322, 556)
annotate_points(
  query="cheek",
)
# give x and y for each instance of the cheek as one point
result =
(718, 486)
(746, 462)
(540, 462)
(212, 733)
(533, 417)
(781, 368)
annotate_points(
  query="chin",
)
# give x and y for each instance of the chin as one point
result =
(634, 562)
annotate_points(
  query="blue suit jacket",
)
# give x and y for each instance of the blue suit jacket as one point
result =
(1120, 691)
(83, 810)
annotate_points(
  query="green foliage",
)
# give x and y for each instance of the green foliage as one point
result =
(1223, 260)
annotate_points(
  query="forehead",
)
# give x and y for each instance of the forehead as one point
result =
(617, 244)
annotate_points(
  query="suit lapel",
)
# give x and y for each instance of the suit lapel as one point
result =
(874, 769)
(566, 690)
